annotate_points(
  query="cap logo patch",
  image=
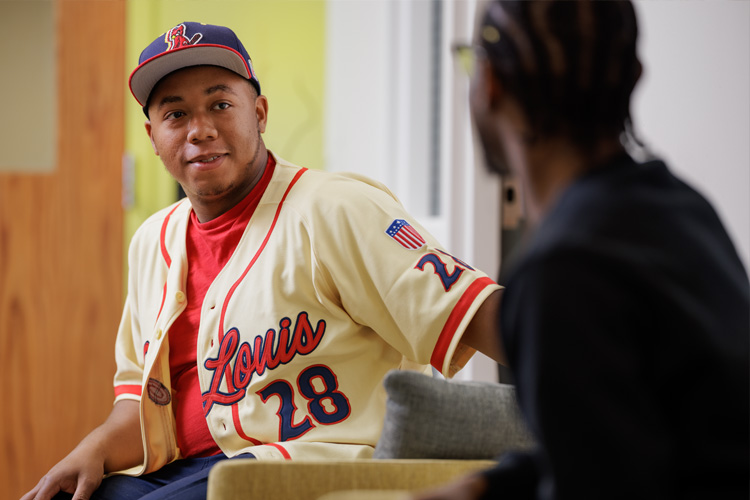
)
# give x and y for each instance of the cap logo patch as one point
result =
(176, 38)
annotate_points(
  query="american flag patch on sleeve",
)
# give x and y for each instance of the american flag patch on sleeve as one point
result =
(405, 235)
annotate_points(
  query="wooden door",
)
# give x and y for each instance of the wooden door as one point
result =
(61, 261)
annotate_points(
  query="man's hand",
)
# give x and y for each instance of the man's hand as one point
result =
(80, 473)
(114, 445)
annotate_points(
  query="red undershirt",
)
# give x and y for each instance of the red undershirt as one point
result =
(209, 247)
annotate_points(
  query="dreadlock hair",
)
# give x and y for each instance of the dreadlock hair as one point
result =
(571, 64)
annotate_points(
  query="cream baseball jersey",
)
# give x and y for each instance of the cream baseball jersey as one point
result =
(331, 286)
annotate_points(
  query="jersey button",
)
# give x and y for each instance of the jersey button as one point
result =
(158, 334)
(180, 297)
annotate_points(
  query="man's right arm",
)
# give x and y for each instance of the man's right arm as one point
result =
(114, 445)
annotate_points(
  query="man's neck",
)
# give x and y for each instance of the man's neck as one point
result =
(554, 164)
(207, 211)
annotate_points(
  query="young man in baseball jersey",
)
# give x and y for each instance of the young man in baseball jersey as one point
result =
(626, 319)
(264, 310)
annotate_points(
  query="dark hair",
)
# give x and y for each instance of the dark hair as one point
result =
(571, 64)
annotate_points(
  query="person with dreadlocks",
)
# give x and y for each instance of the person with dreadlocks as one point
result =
(626, 313)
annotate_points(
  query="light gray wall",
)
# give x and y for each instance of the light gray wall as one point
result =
(692, 106)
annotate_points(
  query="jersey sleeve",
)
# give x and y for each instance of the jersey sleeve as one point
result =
(127, 384)
(390, 274)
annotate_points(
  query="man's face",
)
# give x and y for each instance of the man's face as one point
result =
(205, 124)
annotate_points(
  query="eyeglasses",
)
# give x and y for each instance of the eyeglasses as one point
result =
(467, 56)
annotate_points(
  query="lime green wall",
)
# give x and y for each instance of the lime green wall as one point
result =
(286, 41)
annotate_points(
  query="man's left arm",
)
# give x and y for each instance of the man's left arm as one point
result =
(483, 332)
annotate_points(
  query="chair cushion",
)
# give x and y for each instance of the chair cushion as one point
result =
(428, 417)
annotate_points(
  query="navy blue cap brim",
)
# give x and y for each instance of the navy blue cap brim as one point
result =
(145, 77)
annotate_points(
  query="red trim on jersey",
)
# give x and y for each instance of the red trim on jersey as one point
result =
(283, 451)
(257, 254)
(238, 426)
(136, 390)
(163, 299)
(455, 317)
(165, 254)
(163, 237)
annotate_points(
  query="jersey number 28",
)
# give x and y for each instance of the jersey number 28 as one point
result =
(325, 404)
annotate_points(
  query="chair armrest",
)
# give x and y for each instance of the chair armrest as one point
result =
(306, 480)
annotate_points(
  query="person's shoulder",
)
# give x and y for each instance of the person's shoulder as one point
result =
(649, 183)
(630, 214)
(620, 194)
(329, 188)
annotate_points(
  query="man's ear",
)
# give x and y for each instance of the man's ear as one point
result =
(494, 88)
(149, 131)
(487, 92)
(261, 112)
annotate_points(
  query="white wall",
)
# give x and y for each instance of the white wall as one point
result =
(378, 115)
(692, 106)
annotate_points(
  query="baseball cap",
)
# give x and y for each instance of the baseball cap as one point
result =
(189, 44)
